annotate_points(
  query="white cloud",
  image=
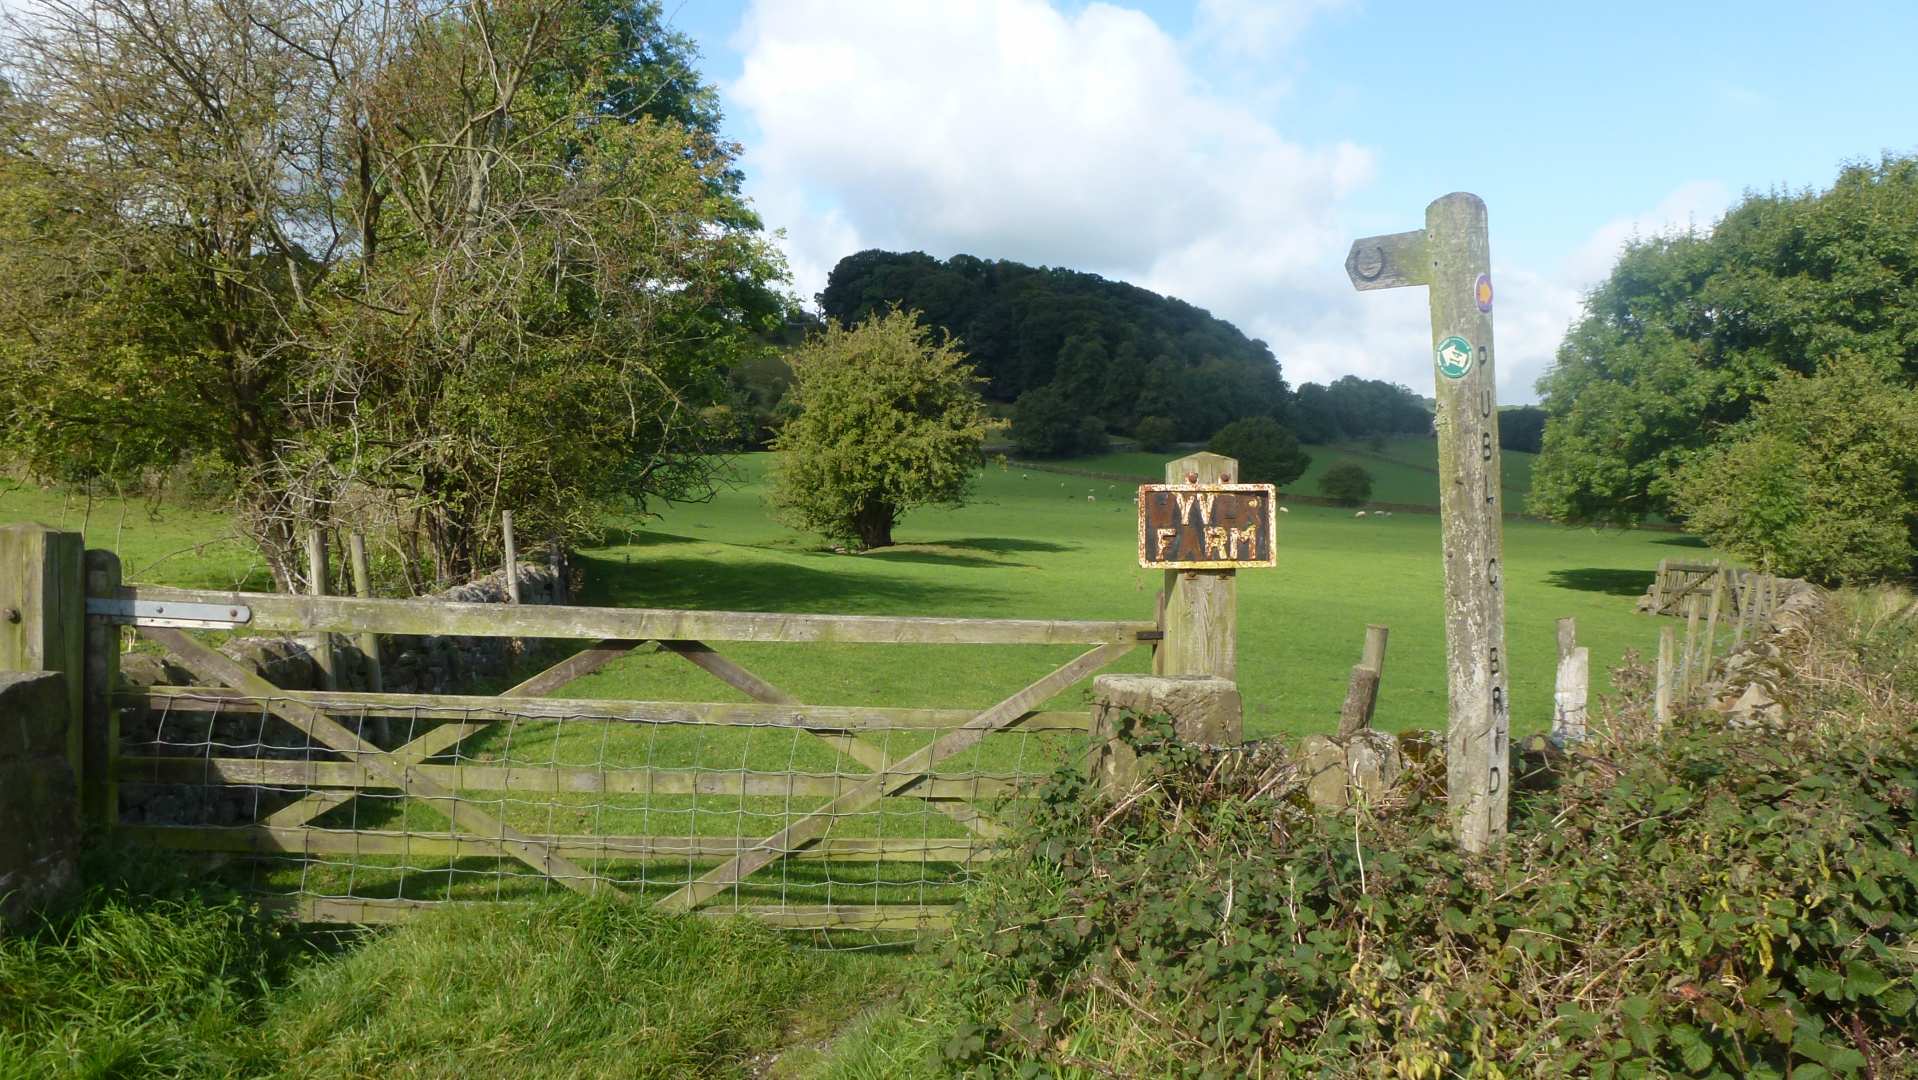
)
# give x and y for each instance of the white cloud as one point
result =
(1011, 129)
(1256, 28)
(1086, 139)
(1694, 205)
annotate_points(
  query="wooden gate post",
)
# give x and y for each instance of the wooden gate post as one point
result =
(323, 656)
(100, 738)
(43, 616)
(1201, 606)
(1452, 257)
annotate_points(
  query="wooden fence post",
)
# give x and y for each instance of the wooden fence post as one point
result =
(100, 790)
(1451, 256)
(43, 616)
(1662, 701)
(512, 556)
(1687, 663)
(316, 585)
(363, 588)
(1711, 630)
(1573, 686)
(1201, 606)
(1362, 692)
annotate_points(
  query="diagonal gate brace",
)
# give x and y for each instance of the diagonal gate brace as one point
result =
(208, 664)
(865, 753)
(906, 771)
(446, 736)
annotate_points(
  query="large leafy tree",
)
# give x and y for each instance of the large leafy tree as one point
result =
(399, 264)
(1821, 481)
(1690, 331)
(1266, 451)
(889, 419)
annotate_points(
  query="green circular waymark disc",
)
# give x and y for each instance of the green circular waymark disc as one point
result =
(1454, 357)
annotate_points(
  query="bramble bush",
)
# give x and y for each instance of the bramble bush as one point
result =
(1704, 902)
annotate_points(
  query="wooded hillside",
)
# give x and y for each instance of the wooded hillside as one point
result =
(1115, 351)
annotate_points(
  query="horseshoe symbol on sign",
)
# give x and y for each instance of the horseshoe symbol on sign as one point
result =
(1369, 267)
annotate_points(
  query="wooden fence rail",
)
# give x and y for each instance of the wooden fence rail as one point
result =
(352, 615)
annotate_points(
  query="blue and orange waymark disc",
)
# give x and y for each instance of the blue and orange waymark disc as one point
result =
(1482, 292)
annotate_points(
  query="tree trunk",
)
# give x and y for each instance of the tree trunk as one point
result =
(874, 525)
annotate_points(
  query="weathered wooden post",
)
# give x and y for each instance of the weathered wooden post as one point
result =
(1201, 603)
(1362, 690)
(43, 616)
(1451, 256)
(1569, 696)
(99, 788)
(363, 588)
(316, 585)
(1711, 628)
(512, 556)
(1687, 664)
(1198, 527)
(1662, 699)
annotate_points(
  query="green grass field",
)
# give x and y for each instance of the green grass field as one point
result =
(1404, 469)
(1032, 545)
(1042, 545)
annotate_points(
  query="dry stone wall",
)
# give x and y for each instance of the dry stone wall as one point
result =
(1744, 685)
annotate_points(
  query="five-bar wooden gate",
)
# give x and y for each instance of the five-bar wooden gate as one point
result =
(364, 807)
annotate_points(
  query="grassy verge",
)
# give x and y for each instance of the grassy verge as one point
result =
(187, 985)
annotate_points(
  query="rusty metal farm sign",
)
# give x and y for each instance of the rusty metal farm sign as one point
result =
(1207, 526)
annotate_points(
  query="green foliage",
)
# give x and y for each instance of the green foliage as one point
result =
(888, 420)
(139, 981)
(1046, 424)
(1155, 433)
(1267, 452)
(1690, 331)
(361, 290)
(1112, 350)
(1522, 428)
(1709, 904)
(1820, 482)
(1355, 408)
(1346, 481)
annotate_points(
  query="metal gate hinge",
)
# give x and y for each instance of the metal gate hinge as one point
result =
(168, 613)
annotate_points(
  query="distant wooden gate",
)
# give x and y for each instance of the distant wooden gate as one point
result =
(809, 816)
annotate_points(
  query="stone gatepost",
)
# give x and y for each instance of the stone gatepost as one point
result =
(1205, 710)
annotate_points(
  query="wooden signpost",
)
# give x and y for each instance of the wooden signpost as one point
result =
(1200, 527)
(1451, 257)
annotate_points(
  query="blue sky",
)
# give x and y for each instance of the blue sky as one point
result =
(1227, 151)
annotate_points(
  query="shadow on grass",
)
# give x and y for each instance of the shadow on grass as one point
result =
(1682, 540)
(931, 555)
(707, 584)
(1004, 544)
(1609, 582)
